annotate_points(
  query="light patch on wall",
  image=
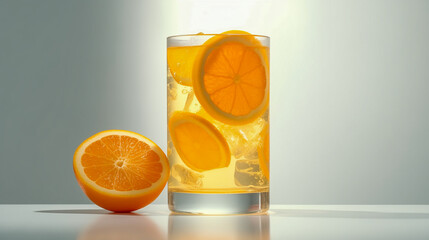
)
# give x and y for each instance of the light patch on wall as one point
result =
(218, 16)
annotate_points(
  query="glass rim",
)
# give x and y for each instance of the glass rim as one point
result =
(215, 34)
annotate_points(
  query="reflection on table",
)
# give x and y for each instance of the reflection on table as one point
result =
(180, 227)
(120, 227)
(155, 222)
(246, 227)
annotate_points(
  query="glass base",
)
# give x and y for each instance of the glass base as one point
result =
(214, 203)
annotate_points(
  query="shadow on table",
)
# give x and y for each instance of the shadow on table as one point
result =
(75, 211)
(99, 212)
(347, 214)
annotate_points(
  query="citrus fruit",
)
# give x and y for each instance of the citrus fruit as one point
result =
(120, 171)
(199, 144)
(264, 152)
(230, 77)
(180, 61)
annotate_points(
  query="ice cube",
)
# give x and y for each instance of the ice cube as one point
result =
(170, 148)
(248, 173)
(189, 98)
(243, 140)
(186, 176)
(195, 107)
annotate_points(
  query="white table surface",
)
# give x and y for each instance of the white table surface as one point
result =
(47, 221)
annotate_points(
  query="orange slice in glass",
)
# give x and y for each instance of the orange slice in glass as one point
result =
(199, 144)
(264, 152)
(231, 79)
(180, 60)
(120, 171)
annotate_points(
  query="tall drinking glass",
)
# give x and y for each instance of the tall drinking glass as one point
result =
(218, 123)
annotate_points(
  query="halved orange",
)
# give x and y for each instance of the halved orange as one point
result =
(231, 78)
(120, 171)
(199, 144)
(264, 152)
(180, 60)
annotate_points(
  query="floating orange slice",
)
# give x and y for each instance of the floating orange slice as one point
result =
(199, 144)
(180, 60)
(264, 152)
(120, 171)
(230, 77)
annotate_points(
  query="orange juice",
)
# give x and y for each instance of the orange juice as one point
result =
(218, 118)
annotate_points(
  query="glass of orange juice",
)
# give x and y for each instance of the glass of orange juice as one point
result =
(218, 123)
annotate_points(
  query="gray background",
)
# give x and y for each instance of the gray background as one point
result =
(349, 98)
